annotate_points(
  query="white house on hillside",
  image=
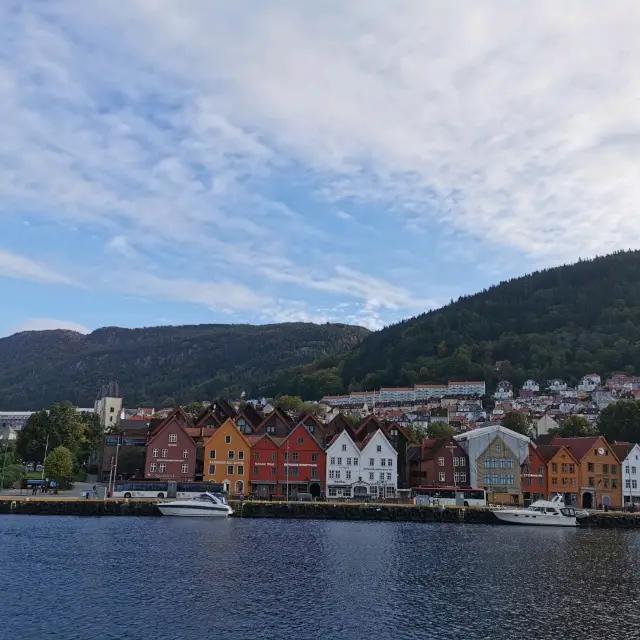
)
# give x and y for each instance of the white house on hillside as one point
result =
(589, 382)
(531, 386)
(557, 385)
(504, 390)
(367, 470)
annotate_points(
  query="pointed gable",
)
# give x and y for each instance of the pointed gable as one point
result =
(315, 427)
(297, 431)
(252, 416)
(208, 419)
(277, 424)
(228, 427)
(177, 416)
(177, 419)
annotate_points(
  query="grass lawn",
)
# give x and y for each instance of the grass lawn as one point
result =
(34, 475)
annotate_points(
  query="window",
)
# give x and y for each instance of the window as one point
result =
(605, 468)
(332, 461)
(606, 483)
(185, 453)
(212, 469)
(337, 475)
(285, 455)
(271, 429)
(591, 483)
(212, 454)
(314, 472)
(379, 448)
(614, 468)
(163, 467)
(383, 462)
(371, 462)
(347, 475)
(314, 457)
(388, 476)
(540, 470)
(240, 470)
(554, 482)
(173, 437)
(155, 453)
(382, 475)
(339, 461)
(441, 476)
(540, 482)
(300, 440)
(371, 477)
(255, 471)
(111, 409)
(274, 456)
(573, 482)
(344, 447)
(590, 467)
(389, 462)
(441, 461)
(311, 427)
(565, 483)
(627, 484)
(572, 468)
(185, 467)
(230, 454)
(348, 462)
(634, 484)
(227, 439)
(633, 470)
(153, 466)
(164, 453)
(230, 470)
(295, 456)
(614, 484)
(256, 455)
(333, 492)
(240, 455)
(274, 471)
(355, 462)
(626, 469)
(554, 467)
(565, 468)
(456, 477)
(498, 448)
(463, 477)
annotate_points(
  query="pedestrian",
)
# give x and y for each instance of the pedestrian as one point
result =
(34, 490)
(53, 486)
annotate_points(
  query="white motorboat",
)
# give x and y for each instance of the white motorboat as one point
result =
(205, 505)
(551, 513)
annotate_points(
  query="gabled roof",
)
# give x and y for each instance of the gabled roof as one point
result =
(276, 414)
(222, 406)
(579, 447)
(175, 417)
(622, 449)
(230, 422)
(548, 451)
(253, 417)
(302, 425)
(255, 438)
(371, 435)
(369, 425)
(349, 434)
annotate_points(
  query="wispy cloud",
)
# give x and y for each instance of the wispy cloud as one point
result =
(17, 266)
(190, 133)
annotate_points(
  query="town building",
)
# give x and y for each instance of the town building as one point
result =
(629, 456)
(266, 474)
(504, 390)
(438, 463)
(303, 463)
(8, 434)
(170, 451)
(534, 476)
(563, 472)
(108, 405)
(476, 388)
(227, 456)
(600, 471)
(530, 387)
(123, 453)
(556, 385)
(276, 423)
(590, 382)
(542, 426)
(495, 456)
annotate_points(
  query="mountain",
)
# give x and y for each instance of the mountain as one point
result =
(561, 322)
(160, 365)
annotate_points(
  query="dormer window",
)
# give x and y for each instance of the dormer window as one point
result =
(271, 429)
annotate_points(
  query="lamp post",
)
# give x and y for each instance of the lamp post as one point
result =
(4, 462)
(46, 449)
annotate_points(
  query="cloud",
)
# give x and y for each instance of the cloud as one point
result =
(17, 266)
(226, 142)
(45, 324)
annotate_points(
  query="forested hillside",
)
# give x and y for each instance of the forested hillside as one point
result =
(159, 366)
(561, 322)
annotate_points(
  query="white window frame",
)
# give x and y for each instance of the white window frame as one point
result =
(173, 437)
(442, 477)
(185, 467)
(165, 453)
(162, 468)
(155, 453)
(185, 453)
(441, 461)
(152, 467)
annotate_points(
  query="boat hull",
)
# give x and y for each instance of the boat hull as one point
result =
(522, 518)
(167, 509)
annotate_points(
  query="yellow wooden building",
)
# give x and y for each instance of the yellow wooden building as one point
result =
(227, 459)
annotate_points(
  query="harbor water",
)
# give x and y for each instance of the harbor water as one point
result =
(70, 578)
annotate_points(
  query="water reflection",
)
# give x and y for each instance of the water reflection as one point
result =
(189, 578)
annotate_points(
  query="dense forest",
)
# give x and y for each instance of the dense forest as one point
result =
(159, 366)
(561, 322)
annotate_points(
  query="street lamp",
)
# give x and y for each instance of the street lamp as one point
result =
(4, 462)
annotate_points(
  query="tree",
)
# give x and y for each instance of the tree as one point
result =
(440, 430)
(574, 427)
(289, 403)
(517, 422)
(59, 463)
(620, 421)
(415, 433)
(11, 469)
(32, 437)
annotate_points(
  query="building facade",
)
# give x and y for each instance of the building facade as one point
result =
(629, 455)
(227, 455)
(438, 463)
(303, 462)
(265, 469)
(170, 451)
(534, 476)
(563, 472)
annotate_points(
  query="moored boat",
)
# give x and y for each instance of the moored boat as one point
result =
(550, 513)
(204, 505)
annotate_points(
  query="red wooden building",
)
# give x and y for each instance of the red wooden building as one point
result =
(304, 463)
(265, 452)
(438, 463)
(171, 452)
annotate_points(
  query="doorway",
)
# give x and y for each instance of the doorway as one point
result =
(227, 486)
(314, 490)
(587, 500)
(239, 487)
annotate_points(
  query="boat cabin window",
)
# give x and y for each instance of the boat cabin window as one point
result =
(540, 509)
(568, 511)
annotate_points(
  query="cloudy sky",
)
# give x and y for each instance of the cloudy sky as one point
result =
(364, 161)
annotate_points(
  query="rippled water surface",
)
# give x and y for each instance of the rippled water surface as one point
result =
(173, 578)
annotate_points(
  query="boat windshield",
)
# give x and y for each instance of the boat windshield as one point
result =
(540, 509)
(203, 497)
(221, 498)
(570, 512)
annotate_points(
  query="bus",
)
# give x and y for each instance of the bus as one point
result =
(162, 489)
(450, 496)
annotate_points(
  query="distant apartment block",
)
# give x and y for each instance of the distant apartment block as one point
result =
(417, 393)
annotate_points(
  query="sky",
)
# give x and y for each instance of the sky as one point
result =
(202, 161)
